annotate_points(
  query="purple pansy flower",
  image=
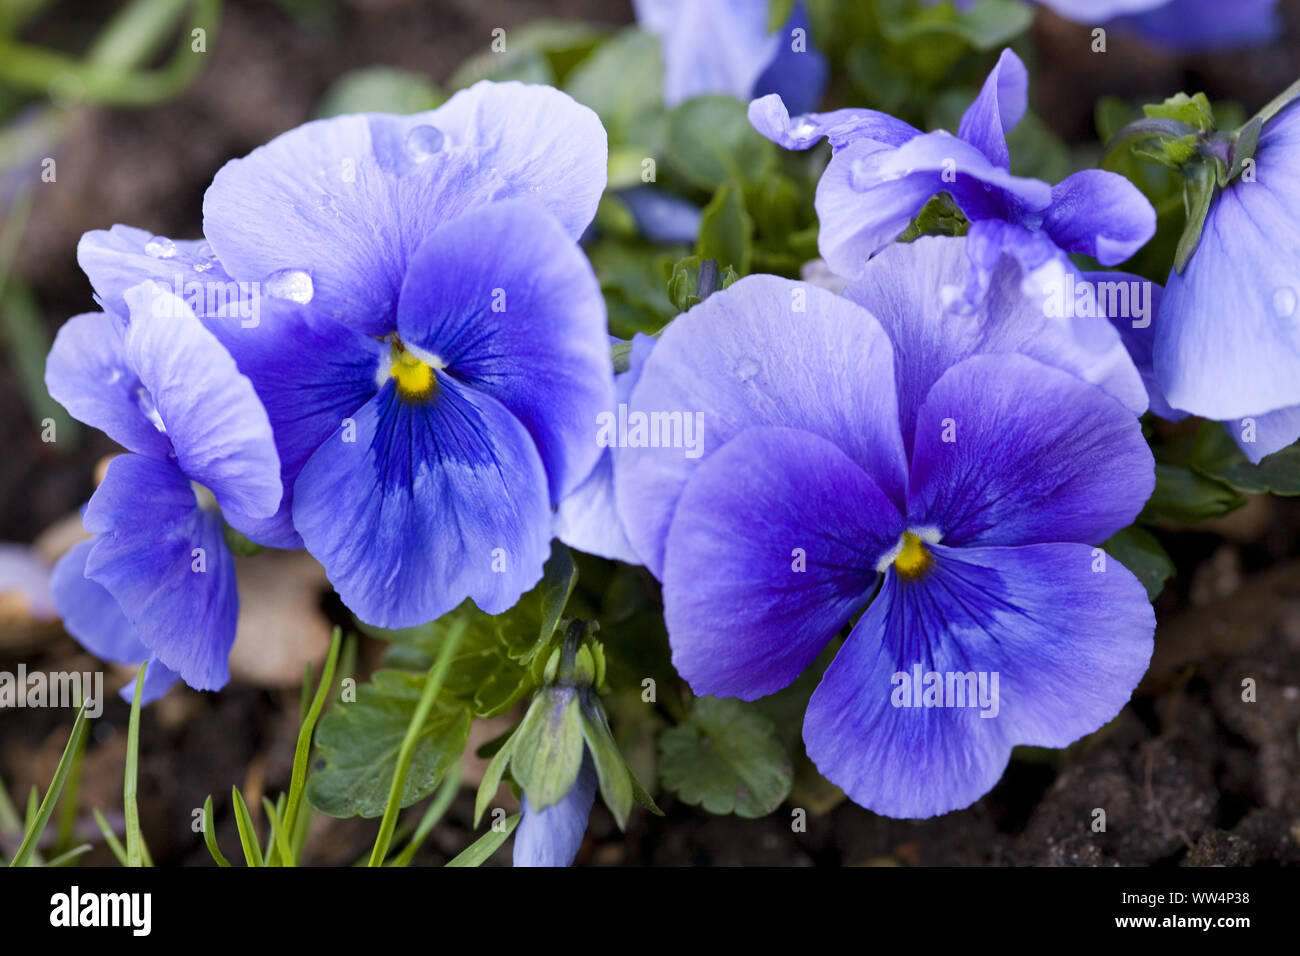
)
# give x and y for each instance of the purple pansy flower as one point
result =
(724, 47)
(1227, 337)
(884, 171)
(157, 582)
(843, 458)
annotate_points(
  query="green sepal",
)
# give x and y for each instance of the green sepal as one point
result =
(615, 779)
(547, 750)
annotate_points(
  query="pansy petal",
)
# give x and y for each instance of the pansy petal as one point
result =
(909, 287)
(348, 200)
(551, 837)
(1010, 451)
(121, 257)
(217, 427)
(1272, 432)
(510, 307)
(1067, 642)
(90, 613)
(435, 501)
(1100, 214)
(1139, 302)
(773, 548)
(1228, 333)
(88, 373)
(1193, 26)
(771, 117)
(765, 351)
(587, 518)
(311, 375)
(158, 680)
(798, 72)
(997, 110)
(165, 561)
(719, 48)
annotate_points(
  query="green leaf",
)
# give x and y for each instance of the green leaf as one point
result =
(496, 769)
(621, 80)
(726, 230)
(1139, 551)
(1183, 496)
(38, 820)
(684, 284)
(1195, 111)
(359, 743)
(726, 757)
(547, 752)
(1212, 452)
(379, 89)
(545, 52)
(711, 141)
(478, 852)
(984, 25)
(247, 832)
(209, 834)
(616, 786)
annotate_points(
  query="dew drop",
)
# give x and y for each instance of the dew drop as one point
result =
(1284, 302)
(422, 142)
(160, 247)
(292, 284)
(746, 369)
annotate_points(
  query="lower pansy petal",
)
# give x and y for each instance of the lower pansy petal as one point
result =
(434, 501)
(90, 613)
(773, 548)
(508, 305)
(765, 351)
(163, 557)
(1011, 451)
(988, 649)
(1100, 214)
(1261, 435)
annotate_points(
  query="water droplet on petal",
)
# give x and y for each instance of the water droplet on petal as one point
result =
(1284, 302)
(423, 142)
(746, 369)
(292, 284)
(160, 247)
(145, 403)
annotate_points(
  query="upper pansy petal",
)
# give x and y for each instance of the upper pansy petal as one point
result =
(509, 306)
(121, 257)
(798, 71)
(587, 518)
(1100, 214)
(1228, 333)
(164, 559)
(88, 373)
(773, 548)
(217, 427)
(998, 109)
(1066, 644)
(908, 288)
(551, 837)
(435, 501)
(346, 201)
(719, 48)
(1009, 451)
(765, 351)
(771, 117)
(1208, 25)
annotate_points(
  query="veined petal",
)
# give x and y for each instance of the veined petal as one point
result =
(997, 110)
(164, 559)
(121, 257)
(765, 351)
(771, 117)
(348, 200)
(799, 75)
(509, 305)
(1009, 451)
(217, 427)
(1067, 643)
(773, 548)
(435, 501)
(718, 48)
(90, 613)
(1100, 214)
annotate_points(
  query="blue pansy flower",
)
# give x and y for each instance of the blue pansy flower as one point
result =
(724, 47)
(156, 581)
(1227, 337)
(552, 836)
(967, 490)
(430, 341)
(884, 171)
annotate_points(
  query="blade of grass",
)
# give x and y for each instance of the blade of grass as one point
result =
(63, 859)
(110, 837)
(280, 839)
(432, 685)
(42, 816)
(71, 796)
(441, 801)
(302, 752)
(134, 839)
(210, 834)
(247, 835)
(482, 848)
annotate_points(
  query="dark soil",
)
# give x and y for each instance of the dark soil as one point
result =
(1190, 774)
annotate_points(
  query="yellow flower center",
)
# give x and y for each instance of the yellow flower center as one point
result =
(415, 379)
(910, 557)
